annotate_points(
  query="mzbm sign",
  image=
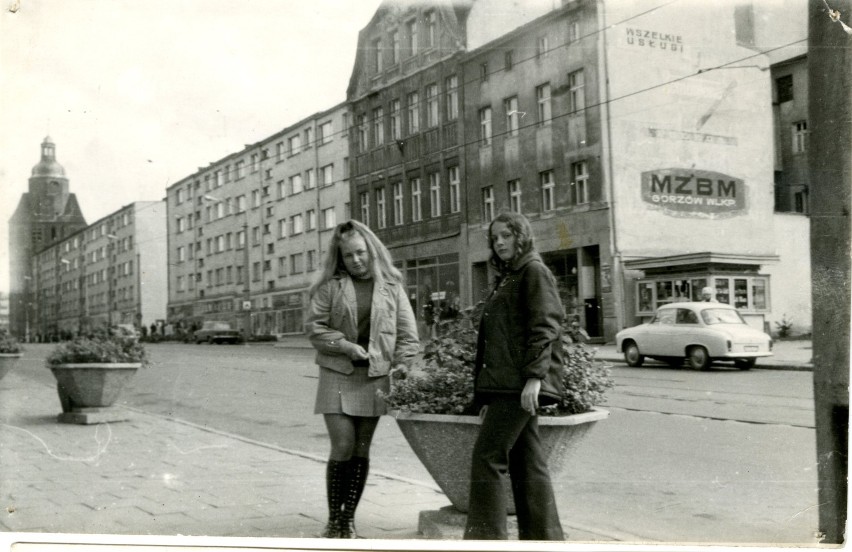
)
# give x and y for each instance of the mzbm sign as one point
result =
(688, 192)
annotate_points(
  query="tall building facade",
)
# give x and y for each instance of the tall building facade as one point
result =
(247, 234)
(111, 272)
(637, 141)
(47, 213)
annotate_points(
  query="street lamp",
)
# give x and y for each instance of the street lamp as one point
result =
(246, 282)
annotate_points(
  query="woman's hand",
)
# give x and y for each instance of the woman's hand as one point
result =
(529, 396)
(354, 351)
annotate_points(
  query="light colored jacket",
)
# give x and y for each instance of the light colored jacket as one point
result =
(333, 319)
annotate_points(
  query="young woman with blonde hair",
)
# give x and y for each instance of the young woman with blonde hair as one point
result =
(362, 325)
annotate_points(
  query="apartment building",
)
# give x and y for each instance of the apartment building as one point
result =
(247, 233)
(111, 272)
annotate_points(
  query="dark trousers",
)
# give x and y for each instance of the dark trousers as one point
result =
(509, 445)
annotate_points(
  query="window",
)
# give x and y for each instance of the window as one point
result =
(381, 212)
(282, 228)
(485, 125)
(488, 204)
(179, 196)
(378, 127)
(241, 239)
(573, 31)
(295, 184)
(784, 88)
(309, 137)
(282, 190)
(254, 162)
(296, 263)
(515, 196)
(398, 215)
(411, 33)
(416, 210)
(507, 60)
(295, 143)
(312, 260)
(455, 189)
(255, 236)
(325, 132)
(542, 94)
(451, 86)
(395, 122)
(362, 133)
(394, 36)
(181, 254)
(365, 207)
(579, 183)
(510, 106)
(240, 168)
(329, 219)
(431, 29)
(180, 283)
(280, 151)
(311, 180)
(800, 201)
(327, 175)
(181, 224)
(576, 93)
(311, 216)
(296, 225)
(241, 203)
(377, 55)
(547, 189)
(227, 174)
(432, 105)
(800, 137)
(483, 72)
(435, 194)
(282, 267)
(255, 198)
(240, 275)
(542, 46)
(413, 106)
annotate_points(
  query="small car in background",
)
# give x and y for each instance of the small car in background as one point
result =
(697, 332)
(217, 332)
(125, 331)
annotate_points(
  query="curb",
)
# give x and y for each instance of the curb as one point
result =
(775, 366)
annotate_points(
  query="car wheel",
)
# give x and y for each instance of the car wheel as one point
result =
(698, 358)
(632, 356)
(745, 363)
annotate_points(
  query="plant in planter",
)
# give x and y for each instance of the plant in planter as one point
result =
(433, 404)
(10, 353)
(91, 373)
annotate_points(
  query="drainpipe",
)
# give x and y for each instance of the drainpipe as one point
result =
(608, 171)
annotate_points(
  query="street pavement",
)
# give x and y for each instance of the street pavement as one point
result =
(156, 475)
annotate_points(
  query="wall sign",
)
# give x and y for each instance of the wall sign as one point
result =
(687, 192)
(656, 40)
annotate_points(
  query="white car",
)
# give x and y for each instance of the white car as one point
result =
(697, 332)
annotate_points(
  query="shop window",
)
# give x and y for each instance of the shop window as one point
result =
(746, 293)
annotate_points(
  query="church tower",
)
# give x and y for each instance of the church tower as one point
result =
(45, 214)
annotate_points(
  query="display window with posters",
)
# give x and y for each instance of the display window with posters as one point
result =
(748, 293)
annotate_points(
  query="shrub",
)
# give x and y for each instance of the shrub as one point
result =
(9, 345)
(99, 348)
(443, 382)
(785, 326)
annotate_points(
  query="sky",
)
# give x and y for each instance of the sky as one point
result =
(137, 94)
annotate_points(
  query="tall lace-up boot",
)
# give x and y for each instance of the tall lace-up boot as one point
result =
(335, 481)
(357, 478)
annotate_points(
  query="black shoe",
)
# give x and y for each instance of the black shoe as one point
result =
(332, 530)
(347, 530)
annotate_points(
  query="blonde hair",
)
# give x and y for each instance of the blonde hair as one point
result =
(381, 263)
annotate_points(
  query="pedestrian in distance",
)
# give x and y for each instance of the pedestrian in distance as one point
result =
(517, 369)
(362, 326)
(708, 295)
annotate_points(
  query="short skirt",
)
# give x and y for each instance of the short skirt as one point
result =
(354, 395)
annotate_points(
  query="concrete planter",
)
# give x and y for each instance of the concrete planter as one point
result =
(444, 444)
(88, 391)
(8, 361)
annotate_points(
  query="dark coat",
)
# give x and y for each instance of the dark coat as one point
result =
(520, 334)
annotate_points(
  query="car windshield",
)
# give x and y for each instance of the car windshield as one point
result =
(721, 316)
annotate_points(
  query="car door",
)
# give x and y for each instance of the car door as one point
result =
(659, 333)
(685, 332)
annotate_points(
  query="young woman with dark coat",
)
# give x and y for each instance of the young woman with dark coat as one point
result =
(362, 325)
(518, 364)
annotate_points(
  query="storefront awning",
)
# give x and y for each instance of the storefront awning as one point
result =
(699, 261)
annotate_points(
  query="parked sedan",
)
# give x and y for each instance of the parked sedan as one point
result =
(697, 332)
(217, 332)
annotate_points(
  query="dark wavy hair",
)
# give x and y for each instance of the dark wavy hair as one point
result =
(524, 240)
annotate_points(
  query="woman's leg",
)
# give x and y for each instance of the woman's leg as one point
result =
(535, 504)
(358, 468)
(341, 431)
(486, 517)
